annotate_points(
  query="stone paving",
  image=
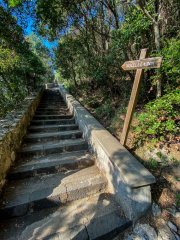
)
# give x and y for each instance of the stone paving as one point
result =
(55, 190)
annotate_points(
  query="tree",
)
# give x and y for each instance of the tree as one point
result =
(21, 68)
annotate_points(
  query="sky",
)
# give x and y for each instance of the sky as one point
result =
(28, 28)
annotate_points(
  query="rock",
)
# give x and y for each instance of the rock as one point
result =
(172, 211)
(177, 236)
(177, 215)
(134, 237)
(143, 232)
(176, 171)
(156, 210)
(164, 233)
(172, 226)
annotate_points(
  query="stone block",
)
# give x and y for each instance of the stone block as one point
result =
(75, 233)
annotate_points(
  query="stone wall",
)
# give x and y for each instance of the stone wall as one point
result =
(12, 130)
(128, 180)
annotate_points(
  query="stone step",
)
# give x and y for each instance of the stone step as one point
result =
(52, 163)
(55, 190)
(106, 227)
(52, 105)
(53, 112)
(50, 147)
(99, 214)
(52, 100)
(46, 99)
(52, 116)
(52, 136)
(52, 121)
(53, 128)
(22, 196)
(58, 112)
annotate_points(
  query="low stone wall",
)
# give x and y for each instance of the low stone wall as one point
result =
(12, 130)
(128, 179)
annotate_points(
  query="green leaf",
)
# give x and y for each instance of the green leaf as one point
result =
(14, 3)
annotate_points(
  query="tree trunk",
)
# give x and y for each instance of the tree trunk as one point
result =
(157, 36)
(116, 17)
(157, 44)
(155, 22)
(74, 75)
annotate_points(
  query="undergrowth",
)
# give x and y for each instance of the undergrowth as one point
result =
(160, 119)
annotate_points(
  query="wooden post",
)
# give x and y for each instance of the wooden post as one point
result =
(133, 100)
(139, 66)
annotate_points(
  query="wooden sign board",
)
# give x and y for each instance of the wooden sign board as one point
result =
(143, 63)
(139, 65)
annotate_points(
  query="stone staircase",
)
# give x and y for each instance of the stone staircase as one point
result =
(55, 190)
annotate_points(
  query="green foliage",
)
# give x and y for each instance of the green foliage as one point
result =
(23, 65)
(83, 55)
(178, 199)
(160, 118)
(170, 68)
(95, 39)
(14, 3)
(171, 63)
(152, 164)
(8, 59)
(42, 56)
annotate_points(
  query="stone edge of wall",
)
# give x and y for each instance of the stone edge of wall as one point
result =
(13, 129)
(127, 178)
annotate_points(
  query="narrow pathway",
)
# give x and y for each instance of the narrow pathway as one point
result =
(55, 190)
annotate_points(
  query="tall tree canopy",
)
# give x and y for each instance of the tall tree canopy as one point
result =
(97, 36)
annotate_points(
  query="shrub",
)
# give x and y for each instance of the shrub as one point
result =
(169, 71)
(160, 118)
(171, 62)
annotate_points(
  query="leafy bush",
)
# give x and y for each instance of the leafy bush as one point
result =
(169, 71)
(171, 61)
(160, 118)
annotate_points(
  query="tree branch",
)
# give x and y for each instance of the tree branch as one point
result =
(146, 13)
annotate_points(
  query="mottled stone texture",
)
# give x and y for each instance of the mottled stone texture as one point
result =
(128, 180)
(12, 130)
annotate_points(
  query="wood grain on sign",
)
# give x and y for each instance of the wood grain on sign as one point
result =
(143, 63)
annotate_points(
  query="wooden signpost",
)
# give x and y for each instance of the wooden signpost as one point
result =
(139, 66)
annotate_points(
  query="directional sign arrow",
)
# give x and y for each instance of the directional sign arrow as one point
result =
(143, 63)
